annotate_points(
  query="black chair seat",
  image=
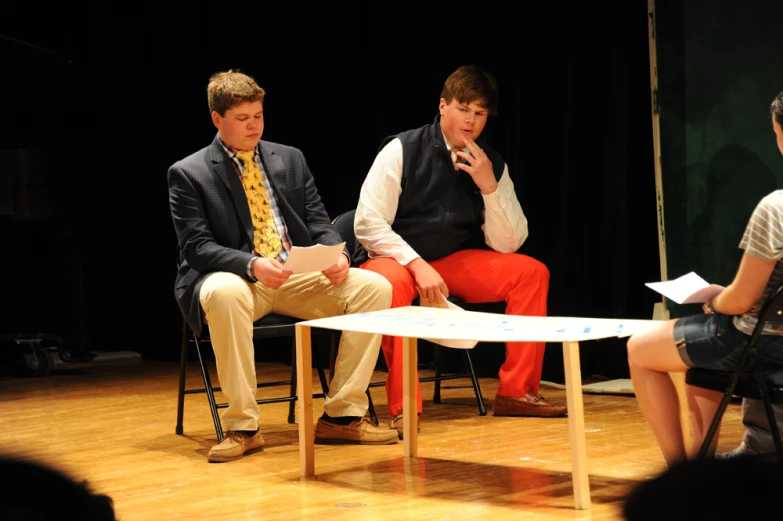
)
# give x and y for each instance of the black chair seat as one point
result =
(747, 384)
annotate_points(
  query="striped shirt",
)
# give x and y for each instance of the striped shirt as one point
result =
(273, 205)
(763, 239)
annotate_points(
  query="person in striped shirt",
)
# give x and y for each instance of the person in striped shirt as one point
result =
(716, 339)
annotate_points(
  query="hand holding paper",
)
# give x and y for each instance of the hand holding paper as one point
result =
(313, 258)
(688, 289)
(445, 304)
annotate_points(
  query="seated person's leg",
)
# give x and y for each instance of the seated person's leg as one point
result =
(230, 308)
(310, 296)
(403, 293)
(522, 282)
(669, 347)
(758, 439)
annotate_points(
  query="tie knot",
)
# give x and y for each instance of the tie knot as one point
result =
(247, 156)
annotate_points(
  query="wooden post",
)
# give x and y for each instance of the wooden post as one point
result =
(576, 425)
(304, 393)
(410, 411)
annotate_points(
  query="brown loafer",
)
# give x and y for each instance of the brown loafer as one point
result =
(235, 445)
(398, 424)
(360, 432)
(530, 405)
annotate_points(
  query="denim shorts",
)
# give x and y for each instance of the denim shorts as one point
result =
(712, 342)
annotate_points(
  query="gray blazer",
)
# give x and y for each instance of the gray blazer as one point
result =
(212, 217)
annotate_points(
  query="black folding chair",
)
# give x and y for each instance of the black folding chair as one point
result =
(269, 326)
(748, 380)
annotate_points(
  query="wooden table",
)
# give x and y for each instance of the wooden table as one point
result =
(413, 322)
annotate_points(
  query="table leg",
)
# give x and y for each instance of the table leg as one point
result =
(576, 425)
(410, 411)
(304, 393)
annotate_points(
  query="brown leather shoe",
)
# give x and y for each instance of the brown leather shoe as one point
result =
(398, 424)
(234, 446)
(530, 405)
(359, 432)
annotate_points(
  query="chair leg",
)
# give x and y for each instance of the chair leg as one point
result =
(208, 389)
(773, 424)
(705, 446)
(371, 408)
(476, 387)
(292, 403)
(183, 362)
(438, 372)
(319, 366)
(334, 343)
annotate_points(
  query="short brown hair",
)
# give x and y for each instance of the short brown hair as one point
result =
(470, 84)
(229, 88)
(777, 109)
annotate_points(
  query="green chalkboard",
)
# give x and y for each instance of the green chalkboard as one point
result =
(719, 66)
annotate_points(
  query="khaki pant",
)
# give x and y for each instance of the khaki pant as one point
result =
(231, 304)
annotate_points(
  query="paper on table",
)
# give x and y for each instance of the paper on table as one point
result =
(304, 259)
(688, 289)
(444, 303)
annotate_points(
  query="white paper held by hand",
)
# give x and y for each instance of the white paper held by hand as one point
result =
(305, 259)
(445, 304)
(688, 289)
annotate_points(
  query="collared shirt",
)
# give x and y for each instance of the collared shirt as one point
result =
(273, 205)
(505, 225)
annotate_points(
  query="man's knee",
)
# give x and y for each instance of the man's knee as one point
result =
(398, 276)
(526, 268)
(383, 289)
(538, 270)
(375, 288)
(222, 290)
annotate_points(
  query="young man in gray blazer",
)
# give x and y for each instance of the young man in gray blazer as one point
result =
(238, 206)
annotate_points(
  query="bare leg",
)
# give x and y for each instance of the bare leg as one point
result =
(652, 354)
(703, 404)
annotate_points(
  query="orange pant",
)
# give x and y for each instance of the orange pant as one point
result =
(475, 276)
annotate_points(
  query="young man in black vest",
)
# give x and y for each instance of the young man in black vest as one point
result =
(437, 215)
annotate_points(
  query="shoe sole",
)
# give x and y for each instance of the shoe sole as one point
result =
(337, 441)
(770, 457)
(561, 415)
(399, 432)
(224, 459)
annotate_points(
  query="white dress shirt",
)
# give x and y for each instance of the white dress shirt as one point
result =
(505, 225)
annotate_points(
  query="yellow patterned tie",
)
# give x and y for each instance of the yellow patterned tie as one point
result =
(266, 240)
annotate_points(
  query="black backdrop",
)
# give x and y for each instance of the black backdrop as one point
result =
(115, 95)
(717, 148)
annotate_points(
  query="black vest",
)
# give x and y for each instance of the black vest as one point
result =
(439, 210)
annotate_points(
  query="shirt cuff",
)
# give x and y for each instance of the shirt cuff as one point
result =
(250, 274)
(492, 201)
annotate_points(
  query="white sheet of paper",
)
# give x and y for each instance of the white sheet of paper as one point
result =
(688, 289)
(304, 259)
(443, 303)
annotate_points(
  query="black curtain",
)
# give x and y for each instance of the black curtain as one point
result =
(574, 128)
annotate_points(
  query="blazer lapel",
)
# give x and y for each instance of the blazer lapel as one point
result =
(280, 179)
(221, 164)
(275, 170)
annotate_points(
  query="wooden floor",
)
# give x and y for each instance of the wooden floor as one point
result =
(112, 423)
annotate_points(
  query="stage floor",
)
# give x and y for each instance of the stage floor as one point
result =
(112, 423)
